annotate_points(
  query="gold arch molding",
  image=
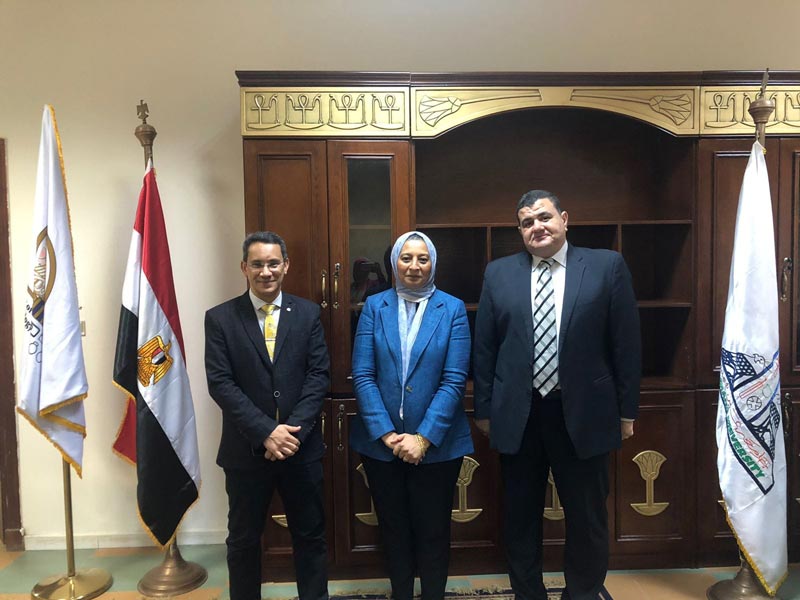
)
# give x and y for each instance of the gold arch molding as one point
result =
(427, 112)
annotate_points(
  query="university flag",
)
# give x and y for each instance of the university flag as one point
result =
(158, 431)
(53, 375)
(751, 459)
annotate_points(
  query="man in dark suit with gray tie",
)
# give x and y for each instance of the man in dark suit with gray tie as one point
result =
(557, 365)
(267, 367)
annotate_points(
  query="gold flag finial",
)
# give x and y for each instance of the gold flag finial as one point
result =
(761, 110)
(145, 132)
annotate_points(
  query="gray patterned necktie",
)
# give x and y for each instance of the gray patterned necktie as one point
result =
(545, 362)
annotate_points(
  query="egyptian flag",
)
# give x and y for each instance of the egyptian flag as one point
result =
(158, 431)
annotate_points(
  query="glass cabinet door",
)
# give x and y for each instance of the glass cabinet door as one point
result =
(369, 206)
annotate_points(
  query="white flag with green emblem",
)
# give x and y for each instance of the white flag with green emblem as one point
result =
(751, 458)
(53, 382)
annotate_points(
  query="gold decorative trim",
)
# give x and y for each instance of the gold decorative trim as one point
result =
(555, 512)
(724, 110)
(437, 110)
(370, 518)
(426, 112)
(464, 514)
(649, 462)
(329, 112)
(281, 520)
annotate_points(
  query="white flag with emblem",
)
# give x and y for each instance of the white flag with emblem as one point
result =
(751, 458)
(53, 375)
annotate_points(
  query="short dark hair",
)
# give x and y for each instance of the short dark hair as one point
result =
(263, 237)
(532, 197)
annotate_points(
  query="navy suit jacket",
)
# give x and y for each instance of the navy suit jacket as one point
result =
(599, 350)
(249, 387)
(434, 389)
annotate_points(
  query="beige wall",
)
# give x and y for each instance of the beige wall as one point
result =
(94, 59)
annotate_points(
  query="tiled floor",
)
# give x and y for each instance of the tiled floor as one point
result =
(19, 572)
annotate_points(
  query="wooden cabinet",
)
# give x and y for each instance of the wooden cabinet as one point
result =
(653, 171)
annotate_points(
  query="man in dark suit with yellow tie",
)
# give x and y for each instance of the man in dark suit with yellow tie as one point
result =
(267, 367)
(557, 365)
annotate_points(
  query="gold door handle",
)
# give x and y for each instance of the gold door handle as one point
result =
(337, 268)
(785, 276)
(340, 424)
(324, 303)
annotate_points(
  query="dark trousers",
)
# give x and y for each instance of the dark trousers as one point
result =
(414, 505)
(249, 494)
(582, 486)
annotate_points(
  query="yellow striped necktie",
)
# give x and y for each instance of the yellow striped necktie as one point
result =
(270, 328)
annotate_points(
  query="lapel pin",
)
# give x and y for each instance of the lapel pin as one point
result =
(288, 309)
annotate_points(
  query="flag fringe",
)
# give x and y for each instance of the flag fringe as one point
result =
(66, 424)
(50, 409)
(749, 559)
(64, 455)
(177, 527)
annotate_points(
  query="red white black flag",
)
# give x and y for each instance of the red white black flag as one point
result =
(158, 431)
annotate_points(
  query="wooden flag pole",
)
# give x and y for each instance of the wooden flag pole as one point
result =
(745, 585)
(75, 585)
(174, 575)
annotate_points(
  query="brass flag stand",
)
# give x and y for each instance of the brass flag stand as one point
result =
(745, 585)
(174, 575)
(75, 585)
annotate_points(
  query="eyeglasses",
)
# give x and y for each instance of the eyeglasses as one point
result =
(273, 266)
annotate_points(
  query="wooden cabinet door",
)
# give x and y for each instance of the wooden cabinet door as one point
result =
(716, 544)
(654, 482)
(788, 260)
(285, 191)
(477, 507)
(370, 205)
(721, 166)
(791, 412)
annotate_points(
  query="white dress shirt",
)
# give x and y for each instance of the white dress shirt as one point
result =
(558, 271)
(261, 315)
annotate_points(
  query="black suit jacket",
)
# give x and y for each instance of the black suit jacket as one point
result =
(599, 350)
(249, 387)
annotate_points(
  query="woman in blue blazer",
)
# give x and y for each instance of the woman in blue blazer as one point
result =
(410, 361)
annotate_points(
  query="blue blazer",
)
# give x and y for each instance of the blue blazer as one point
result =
(434, 389)
(599, 350)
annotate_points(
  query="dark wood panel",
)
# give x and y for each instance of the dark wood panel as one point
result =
(791, 400)
(721, 166)
(286, 191)
(9, 469)
(603, 167)
(715, 542)
(788, 259)
(655, 519)
(511, 78)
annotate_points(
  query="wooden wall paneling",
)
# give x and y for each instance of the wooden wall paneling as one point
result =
(10, 517)
(603, 167)
(715, 542)
(356, 542)
(285, 187)
(721, 166)
(788, 259)
(655, 483)
(791, 397)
